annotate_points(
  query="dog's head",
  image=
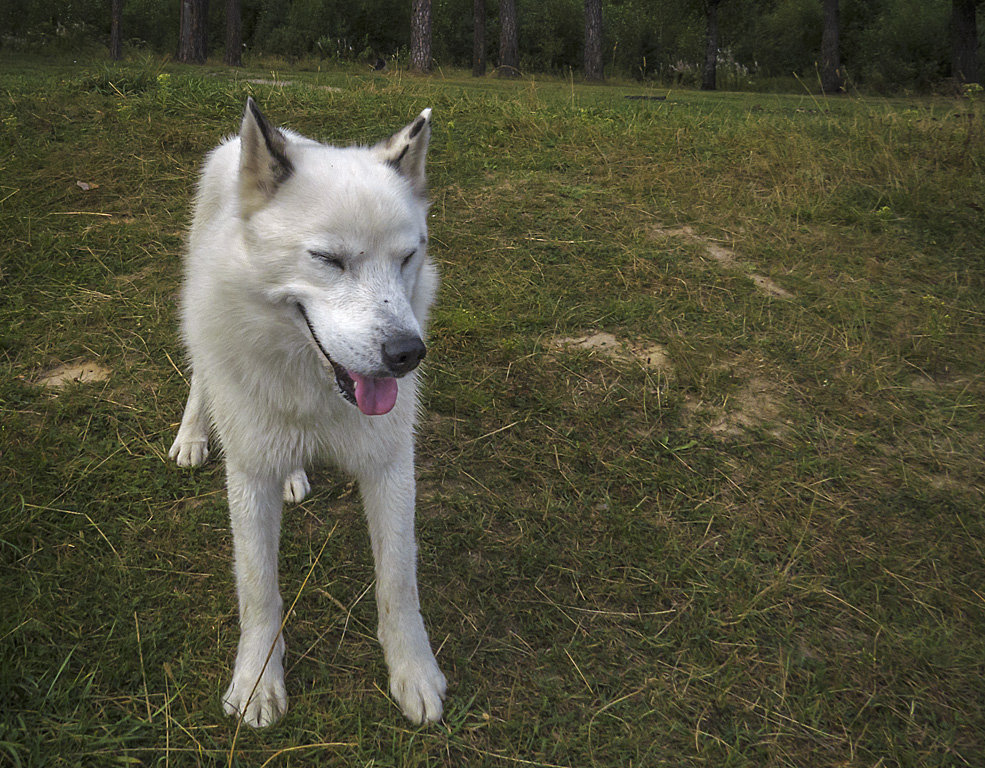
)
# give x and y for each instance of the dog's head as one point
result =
(340, 239)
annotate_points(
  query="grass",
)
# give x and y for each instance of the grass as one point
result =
(765, 551)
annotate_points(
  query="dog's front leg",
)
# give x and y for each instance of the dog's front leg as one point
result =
(415, 680)
(191, 445)
(257, 690)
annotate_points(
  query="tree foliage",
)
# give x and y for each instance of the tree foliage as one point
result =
(884, 44)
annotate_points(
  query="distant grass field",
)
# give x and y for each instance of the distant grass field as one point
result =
(701, 475)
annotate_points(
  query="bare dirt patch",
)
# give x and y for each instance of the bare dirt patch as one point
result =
(726, 257)
(653, 356)
(84, 372)
(757, 404)
(768, 286)
(712, 249)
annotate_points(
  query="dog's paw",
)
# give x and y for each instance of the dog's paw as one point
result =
(188, 452)
(267, 704)
(419, 688)
(296, 487)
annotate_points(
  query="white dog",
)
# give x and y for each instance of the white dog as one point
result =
(305, 301)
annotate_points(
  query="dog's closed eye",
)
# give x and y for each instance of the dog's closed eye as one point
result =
(329, 258)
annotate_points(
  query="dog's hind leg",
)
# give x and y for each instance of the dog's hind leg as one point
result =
(415, 680)
(257, 690)
(191, 444)
(296, 487)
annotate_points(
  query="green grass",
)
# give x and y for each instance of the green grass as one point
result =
(768, 552)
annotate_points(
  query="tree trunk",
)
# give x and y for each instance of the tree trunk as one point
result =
(116, 30)
(478, 38)
(964, 41)
(593, 40)
(234, 33)
(509, 40)
(831, 80)
(708, 72)
(193, 31)
(420, 36)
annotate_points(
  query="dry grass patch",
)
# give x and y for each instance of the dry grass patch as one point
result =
(288, 83)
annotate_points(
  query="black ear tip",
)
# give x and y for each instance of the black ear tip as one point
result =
(417, 126)
(255, 110)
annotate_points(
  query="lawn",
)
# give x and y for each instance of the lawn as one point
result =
(701, 471)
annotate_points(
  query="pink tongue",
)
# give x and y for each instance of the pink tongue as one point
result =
(374, 396)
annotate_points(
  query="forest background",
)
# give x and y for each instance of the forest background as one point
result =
(886, 46)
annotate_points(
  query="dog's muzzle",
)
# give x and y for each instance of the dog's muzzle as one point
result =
(372, 395)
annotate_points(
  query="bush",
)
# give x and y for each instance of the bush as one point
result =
(908, 46)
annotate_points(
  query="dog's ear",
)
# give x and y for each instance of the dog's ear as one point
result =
(263, 161)
(407, 149)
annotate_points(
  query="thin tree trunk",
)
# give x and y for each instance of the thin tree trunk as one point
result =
(193, 31)
(708, 72)
(234, 33)
(593, 40)
(420, 36)
(116, 30)
(831, 80)
(478, 38)
(964, 41)
(509, 40)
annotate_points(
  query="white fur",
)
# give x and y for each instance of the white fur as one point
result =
(265, 204)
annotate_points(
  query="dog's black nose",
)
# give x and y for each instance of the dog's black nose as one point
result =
(403, 354)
